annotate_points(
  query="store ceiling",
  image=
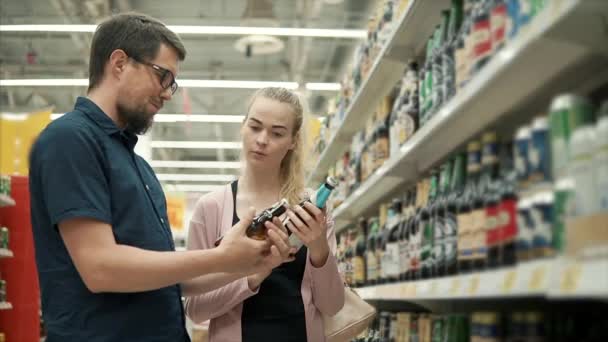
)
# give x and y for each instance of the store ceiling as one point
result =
(65, 55)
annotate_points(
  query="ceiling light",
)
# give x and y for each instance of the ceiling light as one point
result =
(198, 118)
(207, 30)
(192, 187)
(64, 82)
(323, 86)
(179, 117)
(45, 82)
(235, 145)
(235, 84)
(190, 164)
(194, 177)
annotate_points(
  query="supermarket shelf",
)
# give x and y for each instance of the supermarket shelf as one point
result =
(526, 69)
(6, 253)
(5, 306)
(408, 38)
(6, 201)
(552, 278)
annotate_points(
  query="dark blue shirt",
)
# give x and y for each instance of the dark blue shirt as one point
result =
(83, 166)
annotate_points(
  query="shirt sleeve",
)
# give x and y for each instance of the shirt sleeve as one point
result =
(68, 163)
(204, 230)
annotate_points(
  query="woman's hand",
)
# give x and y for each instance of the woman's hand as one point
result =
(309, 225)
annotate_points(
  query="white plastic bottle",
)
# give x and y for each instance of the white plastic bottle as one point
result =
(581, 168)
(601, 158)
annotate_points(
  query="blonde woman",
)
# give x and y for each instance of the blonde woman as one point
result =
(284, 303)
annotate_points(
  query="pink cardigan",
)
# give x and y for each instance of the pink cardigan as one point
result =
(322, 288)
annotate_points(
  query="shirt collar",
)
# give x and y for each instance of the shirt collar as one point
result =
(97, 115)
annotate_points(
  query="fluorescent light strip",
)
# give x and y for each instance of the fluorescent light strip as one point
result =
(189, 164)
(169, 117)
(46, 82)
(323, 86)
(198, 118)
(192, 187)
(234, 145)
(184, 83)
(206, 30)
(194, 177)
(234, 84)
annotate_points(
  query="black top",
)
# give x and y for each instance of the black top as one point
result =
(276, 312)
(83, 166)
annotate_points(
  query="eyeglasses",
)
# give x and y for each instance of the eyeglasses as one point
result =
(167, 79)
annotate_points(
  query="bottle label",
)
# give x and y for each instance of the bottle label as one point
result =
(359, 269)
(464, 223)
(601, 167)
(372, 267)
(451, 241)
(481, 39)
(581, 171)
(539, 158)
(507, 220)
(381, 269)
(559, 156)
(393, 262)
(404, 257)
(542, 216)
(525, 234)
(479, 232)
(439, 242)
(492, 227)
(460, 60)
(499, 25)
(437, 82)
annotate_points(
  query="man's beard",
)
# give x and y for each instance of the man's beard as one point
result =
(136, 119)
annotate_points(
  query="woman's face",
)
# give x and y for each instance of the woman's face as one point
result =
(267, 133)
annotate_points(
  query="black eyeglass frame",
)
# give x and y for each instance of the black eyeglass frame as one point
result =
(167, 79)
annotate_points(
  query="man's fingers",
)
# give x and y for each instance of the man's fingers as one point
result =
(278, 242)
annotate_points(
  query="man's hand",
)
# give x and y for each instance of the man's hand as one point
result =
(241, 253)
(277, 234)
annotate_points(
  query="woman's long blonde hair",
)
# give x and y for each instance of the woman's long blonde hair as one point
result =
(292, 167)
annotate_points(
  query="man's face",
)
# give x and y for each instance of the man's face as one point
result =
(142, 95)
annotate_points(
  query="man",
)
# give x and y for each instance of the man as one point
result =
(105, 255)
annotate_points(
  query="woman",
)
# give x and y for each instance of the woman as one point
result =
(284, 303)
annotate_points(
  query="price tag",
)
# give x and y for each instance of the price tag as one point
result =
(537, 280)
(509, 282)
(474, 285)
(570, 279)
(455, 288)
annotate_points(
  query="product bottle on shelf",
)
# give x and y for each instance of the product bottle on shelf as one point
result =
(457, 187)
(415, 237)
(489, 176)
(348, 259)
(371, 261)
(498, 24)
(392, 246)
(481, 35)
(426, 226)
(507, 209)
(601, 157)
(448, 63)
(437, 63)
(466, 221)
(580, 168)
(360, 252)
(381, 240)
(439, 211)
(404, 235)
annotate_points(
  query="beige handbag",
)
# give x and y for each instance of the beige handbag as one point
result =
(355, 316)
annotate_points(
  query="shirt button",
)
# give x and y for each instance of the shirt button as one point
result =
(147, 187)
(162, 220)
